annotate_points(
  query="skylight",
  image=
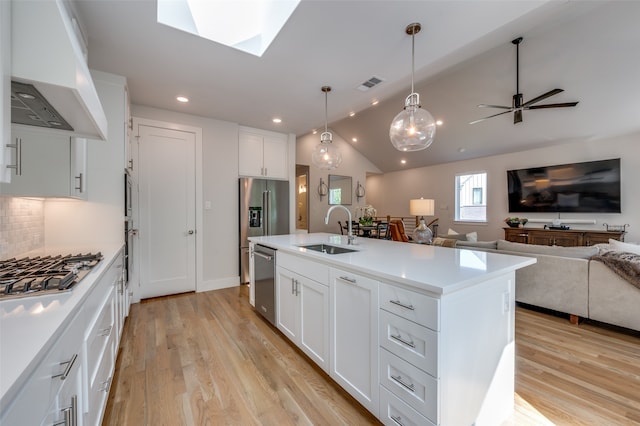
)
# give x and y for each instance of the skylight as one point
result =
(247, 25)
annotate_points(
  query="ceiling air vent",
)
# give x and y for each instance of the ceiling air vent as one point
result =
(373, 81)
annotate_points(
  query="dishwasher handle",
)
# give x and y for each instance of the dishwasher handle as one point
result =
(264, 256)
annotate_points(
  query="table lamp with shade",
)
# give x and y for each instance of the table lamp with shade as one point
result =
(422, 207)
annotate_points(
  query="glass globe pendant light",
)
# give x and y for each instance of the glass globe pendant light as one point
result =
(325, 156)
(414, 128)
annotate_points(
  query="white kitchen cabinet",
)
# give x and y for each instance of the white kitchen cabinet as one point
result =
(302, 308)
(262, 154)
(5, 89)
(354, 336)
(47, 164)
(54, 380)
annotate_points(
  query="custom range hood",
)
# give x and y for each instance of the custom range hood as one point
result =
(51, 84)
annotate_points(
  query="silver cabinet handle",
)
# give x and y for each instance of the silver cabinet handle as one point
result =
(398, 379)
(399, 338)
(70, 413)
(18, 147)
(397, 419)
(402, 305)
(297, 288)
(191, 232)
(80, 187)
(105, 331)
(105, 385)
(292, 284)
(67, 370)
(347, 279)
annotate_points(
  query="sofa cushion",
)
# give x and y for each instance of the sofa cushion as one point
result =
(575, 252)
(626, 247)
(444, 242)
(487, 245)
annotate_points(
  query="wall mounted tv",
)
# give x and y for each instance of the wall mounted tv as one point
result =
(590, 187)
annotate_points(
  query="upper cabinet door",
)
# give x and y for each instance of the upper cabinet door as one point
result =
(44, 164)
(5, 90)
(262, 154)
(78, 184)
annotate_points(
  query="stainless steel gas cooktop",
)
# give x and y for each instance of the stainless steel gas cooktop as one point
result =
(44, 275)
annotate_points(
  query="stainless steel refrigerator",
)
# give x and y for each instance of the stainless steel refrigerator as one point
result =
(264, 210)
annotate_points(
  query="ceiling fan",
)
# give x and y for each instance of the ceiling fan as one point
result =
(517, 105)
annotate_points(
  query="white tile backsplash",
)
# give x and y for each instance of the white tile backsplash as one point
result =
(21, 225)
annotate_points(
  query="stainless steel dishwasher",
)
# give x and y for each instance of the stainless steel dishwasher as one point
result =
(264, 259)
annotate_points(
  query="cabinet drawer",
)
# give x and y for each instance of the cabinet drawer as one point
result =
(415, 387)
(410, 341)
(40, 390)
(99, 387)
(395, 412)
(98, 336)
(308, 268)
(413, 306)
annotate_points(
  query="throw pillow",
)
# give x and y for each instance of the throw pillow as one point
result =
(471, 236)
(444, 242)
(626, 247)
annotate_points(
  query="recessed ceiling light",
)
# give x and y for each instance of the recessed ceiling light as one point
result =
(314, 131)
(462, 149)
(439, 123)
(354, 139)
(374, 102)
(182, 99)
(403, 161)
(277, 120)
(351, 114)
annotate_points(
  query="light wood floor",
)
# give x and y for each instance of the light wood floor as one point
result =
(208, 359)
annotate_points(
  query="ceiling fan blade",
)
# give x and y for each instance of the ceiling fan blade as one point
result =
(543, 96)
(562, 105)
(493, 106)
(491, 116)
(517, 116)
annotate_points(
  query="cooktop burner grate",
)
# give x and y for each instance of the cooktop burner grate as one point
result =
(44, 275)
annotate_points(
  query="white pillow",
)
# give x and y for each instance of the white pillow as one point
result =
(471, 236)
(626, 247)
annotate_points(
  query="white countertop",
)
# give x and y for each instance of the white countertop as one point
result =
(439, 270)
(28, 325)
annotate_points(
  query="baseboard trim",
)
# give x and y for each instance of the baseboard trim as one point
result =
(218, 284)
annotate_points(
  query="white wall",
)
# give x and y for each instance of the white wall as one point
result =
(101, 218)
(353, 164)
(390, 193)
(220, 186)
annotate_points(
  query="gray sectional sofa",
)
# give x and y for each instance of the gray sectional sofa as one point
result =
(564, 279)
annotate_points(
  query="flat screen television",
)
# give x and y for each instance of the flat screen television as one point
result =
(590, 187)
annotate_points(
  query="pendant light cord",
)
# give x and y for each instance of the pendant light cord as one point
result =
(326, 114)
(413, 65)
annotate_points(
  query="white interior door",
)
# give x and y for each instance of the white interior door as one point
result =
(167, 211)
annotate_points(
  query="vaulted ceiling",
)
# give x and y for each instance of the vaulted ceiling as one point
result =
(464, 57)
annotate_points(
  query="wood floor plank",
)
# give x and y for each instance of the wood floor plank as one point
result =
(209, 359)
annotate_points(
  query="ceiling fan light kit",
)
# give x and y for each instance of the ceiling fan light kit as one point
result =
(518, 105)
(414, 128)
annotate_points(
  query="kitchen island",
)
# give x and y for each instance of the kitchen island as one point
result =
(417, 334)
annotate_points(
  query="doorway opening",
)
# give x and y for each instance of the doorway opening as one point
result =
(302, 198)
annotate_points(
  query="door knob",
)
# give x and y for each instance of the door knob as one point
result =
(190, 231)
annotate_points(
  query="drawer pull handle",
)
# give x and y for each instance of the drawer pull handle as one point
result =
(397, 419)
(399, 338)
(402, 305)
(105, 385)
(403, 383)
(70, 414)
(347, 279)
(105, 331)
(67, 370)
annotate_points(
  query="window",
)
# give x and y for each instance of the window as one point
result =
(471, 195)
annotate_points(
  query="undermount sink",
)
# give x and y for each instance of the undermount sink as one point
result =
(328, 249)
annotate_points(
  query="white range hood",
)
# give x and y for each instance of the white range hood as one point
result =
(46, 53)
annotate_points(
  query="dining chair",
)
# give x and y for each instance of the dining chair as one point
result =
(382, 230)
